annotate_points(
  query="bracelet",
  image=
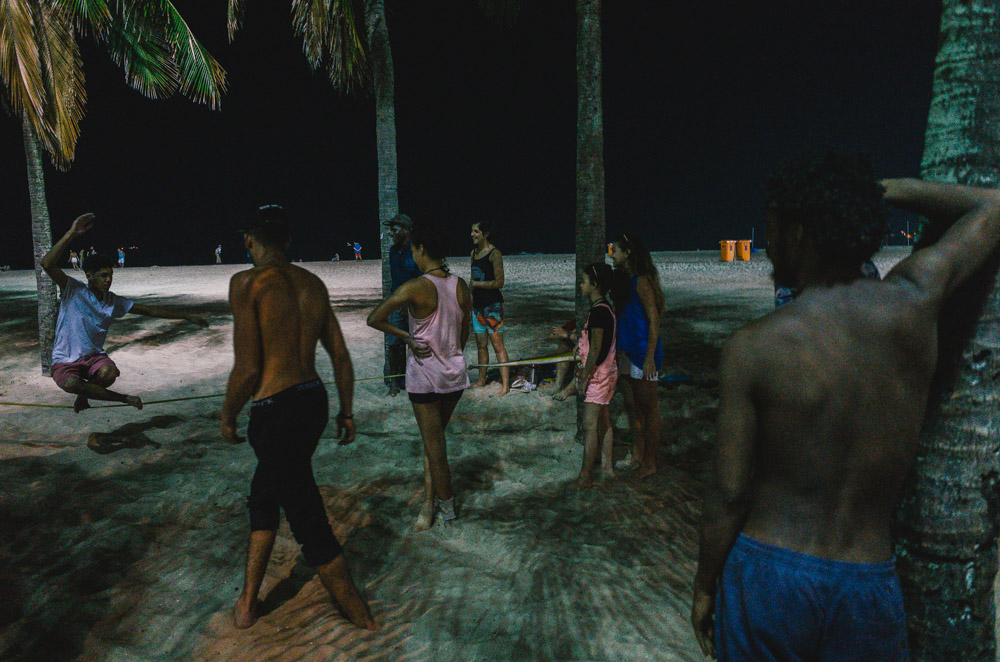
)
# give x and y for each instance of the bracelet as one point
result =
(409, 339)
(345, 417)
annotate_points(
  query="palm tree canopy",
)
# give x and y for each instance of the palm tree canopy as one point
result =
(42, 71)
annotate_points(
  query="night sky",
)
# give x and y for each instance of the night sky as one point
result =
(698, 106)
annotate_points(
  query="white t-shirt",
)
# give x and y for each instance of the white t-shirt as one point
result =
(84, 321)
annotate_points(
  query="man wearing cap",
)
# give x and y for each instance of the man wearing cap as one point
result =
(280, 313)
(401, 269)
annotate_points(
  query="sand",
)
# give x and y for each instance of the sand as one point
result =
(137, 554)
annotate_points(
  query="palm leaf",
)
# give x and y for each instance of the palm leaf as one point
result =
(65, 88)
(136, 43)
(501, 11)
(202, 78)
(234, 17)
(349, 67)
(89, 15)
(311, 22)
(20, 64)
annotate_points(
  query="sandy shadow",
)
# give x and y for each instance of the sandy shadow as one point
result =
(130, 435)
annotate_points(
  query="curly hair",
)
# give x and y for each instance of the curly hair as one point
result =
(427, 234)
(837, 201)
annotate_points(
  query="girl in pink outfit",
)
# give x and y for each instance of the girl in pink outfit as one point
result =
(440, 311)
(596, 379)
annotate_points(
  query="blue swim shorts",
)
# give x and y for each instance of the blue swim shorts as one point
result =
(775, 604)
(488, 319)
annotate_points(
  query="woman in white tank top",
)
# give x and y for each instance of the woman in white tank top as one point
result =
(440, 309)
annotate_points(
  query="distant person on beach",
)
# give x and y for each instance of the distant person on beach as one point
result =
(74, 260)
(79, 363)
(356, 246)
(796, 558)
(402, 269)
(218, 254)
(439, 311)
(639, 303)
(280, 313)
(487, 302)
(597, 377)
(121, 258)
(336, 257)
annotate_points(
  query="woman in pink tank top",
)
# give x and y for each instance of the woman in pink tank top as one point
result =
(440, 309)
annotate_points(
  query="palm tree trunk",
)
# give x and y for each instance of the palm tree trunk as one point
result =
(590, 246)
(41, 238)
(385, 136)
(947, 522)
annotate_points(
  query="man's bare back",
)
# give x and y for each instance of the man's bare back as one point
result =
(840, 379)
(291, 307)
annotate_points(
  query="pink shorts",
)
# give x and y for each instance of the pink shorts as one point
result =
(84, 369)
(602, 383)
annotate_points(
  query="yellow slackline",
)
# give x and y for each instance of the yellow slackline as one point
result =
(562, 358)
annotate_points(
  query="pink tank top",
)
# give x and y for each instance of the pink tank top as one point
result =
(445, 371)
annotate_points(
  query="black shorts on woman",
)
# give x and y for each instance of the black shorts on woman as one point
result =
(284, 430)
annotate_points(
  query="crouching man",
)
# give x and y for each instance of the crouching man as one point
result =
(79, 363)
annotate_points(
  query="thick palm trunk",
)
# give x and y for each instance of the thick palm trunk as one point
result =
(948, 520)
(590, 246)
(41, 238)
(385, 135)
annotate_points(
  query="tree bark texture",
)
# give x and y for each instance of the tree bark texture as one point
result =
(947, 521)
(41, 239)
(590, 232)
(385, 136)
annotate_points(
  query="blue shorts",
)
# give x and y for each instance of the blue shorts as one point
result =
(488, 319)
(775, 604)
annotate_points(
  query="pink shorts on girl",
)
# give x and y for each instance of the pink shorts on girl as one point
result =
(602, 384)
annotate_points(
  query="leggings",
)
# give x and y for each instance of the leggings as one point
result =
(284, 430)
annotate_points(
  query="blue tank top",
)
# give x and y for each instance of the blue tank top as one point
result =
(633, 329)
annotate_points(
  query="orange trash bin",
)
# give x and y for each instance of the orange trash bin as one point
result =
(727, 250)
(743, 250)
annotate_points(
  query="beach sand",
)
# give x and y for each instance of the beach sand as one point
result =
(137, 553)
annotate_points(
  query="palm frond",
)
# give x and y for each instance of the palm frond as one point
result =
(65, 88)
(136, 43)
(202, 78)
(20, 63)
(311, 21)
(349, 66)
(502, 11)
(93, 16)
(234, 18)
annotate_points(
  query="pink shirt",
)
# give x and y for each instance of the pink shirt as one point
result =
(445, 370)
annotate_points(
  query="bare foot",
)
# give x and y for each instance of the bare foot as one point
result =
(81, 403)
(645, 472)
(133, 401)
(560, 396)
(582, 483)
(504, 391)
(393, 391)
(425, 519)
(338, 581)
(245, 614)
(479, 384)
(607, 474)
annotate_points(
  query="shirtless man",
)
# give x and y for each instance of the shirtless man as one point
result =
(79, 363)
(821, 405)
(280, 312)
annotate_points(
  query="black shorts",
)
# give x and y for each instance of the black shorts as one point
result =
(428, 398)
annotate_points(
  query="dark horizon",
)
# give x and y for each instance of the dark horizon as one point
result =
(697, 108)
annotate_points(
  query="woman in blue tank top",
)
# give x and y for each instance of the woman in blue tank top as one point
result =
(639, 303)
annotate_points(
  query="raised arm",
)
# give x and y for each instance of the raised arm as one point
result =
(247, 347)
(50, 263)
(167, 314)
(343, 374)
(727, 502)
(973, 215)
(644, 288)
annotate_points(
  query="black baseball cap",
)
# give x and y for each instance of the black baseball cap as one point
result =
(271, 217)
(402, 220)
